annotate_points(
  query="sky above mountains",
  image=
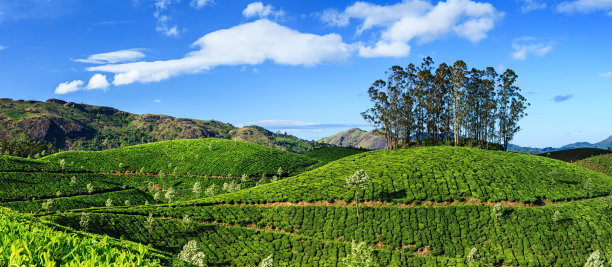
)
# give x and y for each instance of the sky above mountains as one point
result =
(305, 67)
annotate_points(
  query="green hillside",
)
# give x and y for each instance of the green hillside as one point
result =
(601, 163)
(435, 174)
(328, 154)
(241, 235)
(575, 154)
(211, 157)
(28, 241)
(423, 206)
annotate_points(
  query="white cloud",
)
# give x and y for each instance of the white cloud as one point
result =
(606, 74)
(532, 5)
(2, 47)
(200, 3)
(334, 18)
(98, 81)
(246, 44)
(416, 19)
(525, 46)
(163, 25)
(69, 87)
(258, 9)
(157, 101)
(113, 57)
(584, 6)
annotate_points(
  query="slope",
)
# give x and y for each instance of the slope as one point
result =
(601, 163)
(436, 174)
(68, 125)
(575, 154)
(423, 206)
(211, 157)
(328, 154)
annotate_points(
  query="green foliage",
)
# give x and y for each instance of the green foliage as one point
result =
(601, 163)
(26, 241)
(526, 236)
(267, 261)
(179, 157)
(192, 254)
(436, 174)
(328, 154)
(360, 256)
(595, 260)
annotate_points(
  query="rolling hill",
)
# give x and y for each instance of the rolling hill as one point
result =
(434, 206)
(575, 154)
(601, 163)
(204, 157)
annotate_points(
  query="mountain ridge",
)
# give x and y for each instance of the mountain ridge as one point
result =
(76, 126)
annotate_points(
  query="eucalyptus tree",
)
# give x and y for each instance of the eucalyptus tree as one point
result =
(458, 80)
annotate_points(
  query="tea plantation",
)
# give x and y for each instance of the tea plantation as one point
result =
(601, 163)
(210, 156)
(424, 206)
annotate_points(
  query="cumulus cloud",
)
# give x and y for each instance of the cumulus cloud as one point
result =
(562, 98)
(416, 19)
(532, 5)
(258, 9)
(113, 57)
(525, 46)
(606, 74)
(246, 44)
(584, 6)
(98, 81)
(68, 87)
(200, 3)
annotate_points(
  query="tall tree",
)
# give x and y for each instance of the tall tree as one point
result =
(458, 80)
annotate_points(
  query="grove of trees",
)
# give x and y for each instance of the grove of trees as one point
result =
(449, 104)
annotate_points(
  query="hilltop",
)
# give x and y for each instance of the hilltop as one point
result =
(69, 125)
(210, 157)
(438, 174)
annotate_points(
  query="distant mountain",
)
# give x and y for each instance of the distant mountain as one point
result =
(69, 125)
(356, 137)
(605, 144)
(359, 138)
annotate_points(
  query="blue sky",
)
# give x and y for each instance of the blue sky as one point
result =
(305, 66)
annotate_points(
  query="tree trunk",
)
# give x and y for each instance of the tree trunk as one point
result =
(357, 204)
